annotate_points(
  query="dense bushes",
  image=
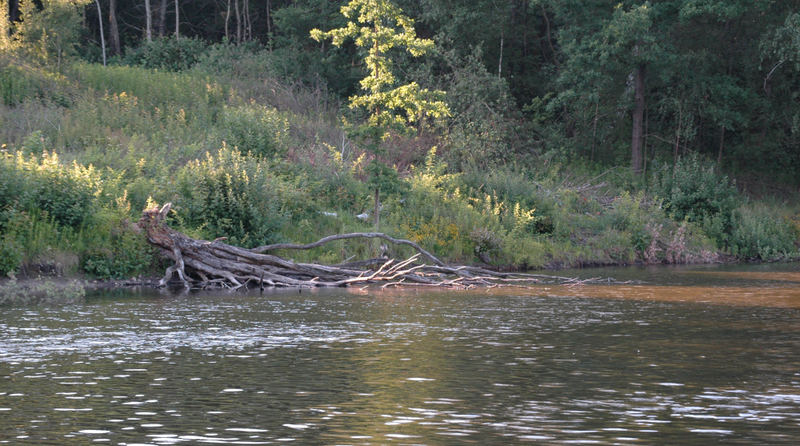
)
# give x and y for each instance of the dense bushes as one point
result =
(758, 234)
(167, 53)
(254, 128)
(232, 195)
(31, 183)
(20, 83)
(54, 218)
(695, 191)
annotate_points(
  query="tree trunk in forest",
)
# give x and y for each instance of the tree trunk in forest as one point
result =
(148, 21)
(500, 59)
(248, 20)
(204, 264)
(269, 20)
(13, 10)
(377, 218)
(637, 139)
(177, 20)
(5, 24)
(594, 127)
(721, 143)
(102, 36)
(162, 18)
(549, 37)
(113, 28)
(238, 21)
(227, 21)
(678, 136)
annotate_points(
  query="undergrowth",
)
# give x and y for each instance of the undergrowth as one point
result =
(247, 156)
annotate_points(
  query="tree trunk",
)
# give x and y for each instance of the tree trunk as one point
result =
(102, 36)
(549, 37)
(162, 18)
(227, 21)
(248, 20)
(238, 21)
(377, 218)
(177, 20)
(721, 143)
(13, 10)
(269, 20)
(678, 135)
(637, 139)
(5, 24)
(148, 21)
(113, 28)
(594, 126)
(500, 59)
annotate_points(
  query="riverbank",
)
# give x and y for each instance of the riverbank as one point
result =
(75, 173)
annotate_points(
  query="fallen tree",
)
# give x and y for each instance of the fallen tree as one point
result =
(215, 264)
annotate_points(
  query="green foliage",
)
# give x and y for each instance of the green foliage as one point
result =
(50, 34)
(196, 95)
(20, 83)
(167, 53)
(255, 129)
(717, 82)
(5, 27)
(232, 195)
(379, 26)
(115, 250)
(44, 246)
(65, 193)
(236, 62)
(761, 235)
(693, 190)
(15, 85)
(10, 255)
(384, 178)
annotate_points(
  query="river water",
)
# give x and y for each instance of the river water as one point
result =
(695, 355)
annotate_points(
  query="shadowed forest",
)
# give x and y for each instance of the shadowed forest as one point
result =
(514, 134)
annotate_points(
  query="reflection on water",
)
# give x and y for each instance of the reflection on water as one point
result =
(689, 357)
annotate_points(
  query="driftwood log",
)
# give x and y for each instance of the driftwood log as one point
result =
(214, 264)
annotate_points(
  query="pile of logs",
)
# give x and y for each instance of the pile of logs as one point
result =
(200, 264)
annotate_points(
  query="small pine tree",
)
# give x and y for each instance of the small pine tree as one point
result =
(379, 26)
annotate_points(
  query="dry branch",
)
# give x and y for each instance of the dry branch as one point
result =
(214, 264)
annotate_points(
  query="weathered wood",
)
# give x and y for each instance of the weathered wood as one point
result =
(209, 264)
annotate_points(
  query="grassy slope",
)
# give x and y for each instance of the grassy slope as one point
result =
(261, 161)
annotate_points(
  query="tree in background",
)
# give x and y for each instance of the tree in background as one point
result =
(5, 26)
(380, 26)
(52, 33)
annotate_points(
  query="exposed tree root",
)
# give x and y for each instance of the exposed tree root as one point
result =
(204, 264)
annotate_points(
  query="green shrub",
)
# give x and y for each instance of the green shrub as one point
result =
(10, 255)
(761, 235)
(693, 190)
(67, 194)
(254, 128)
(19, 83)
(114, 250)
(43, 246)
(244, 61)
(167, 53)
(237, 196)
(15, 86)
(195, 94)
